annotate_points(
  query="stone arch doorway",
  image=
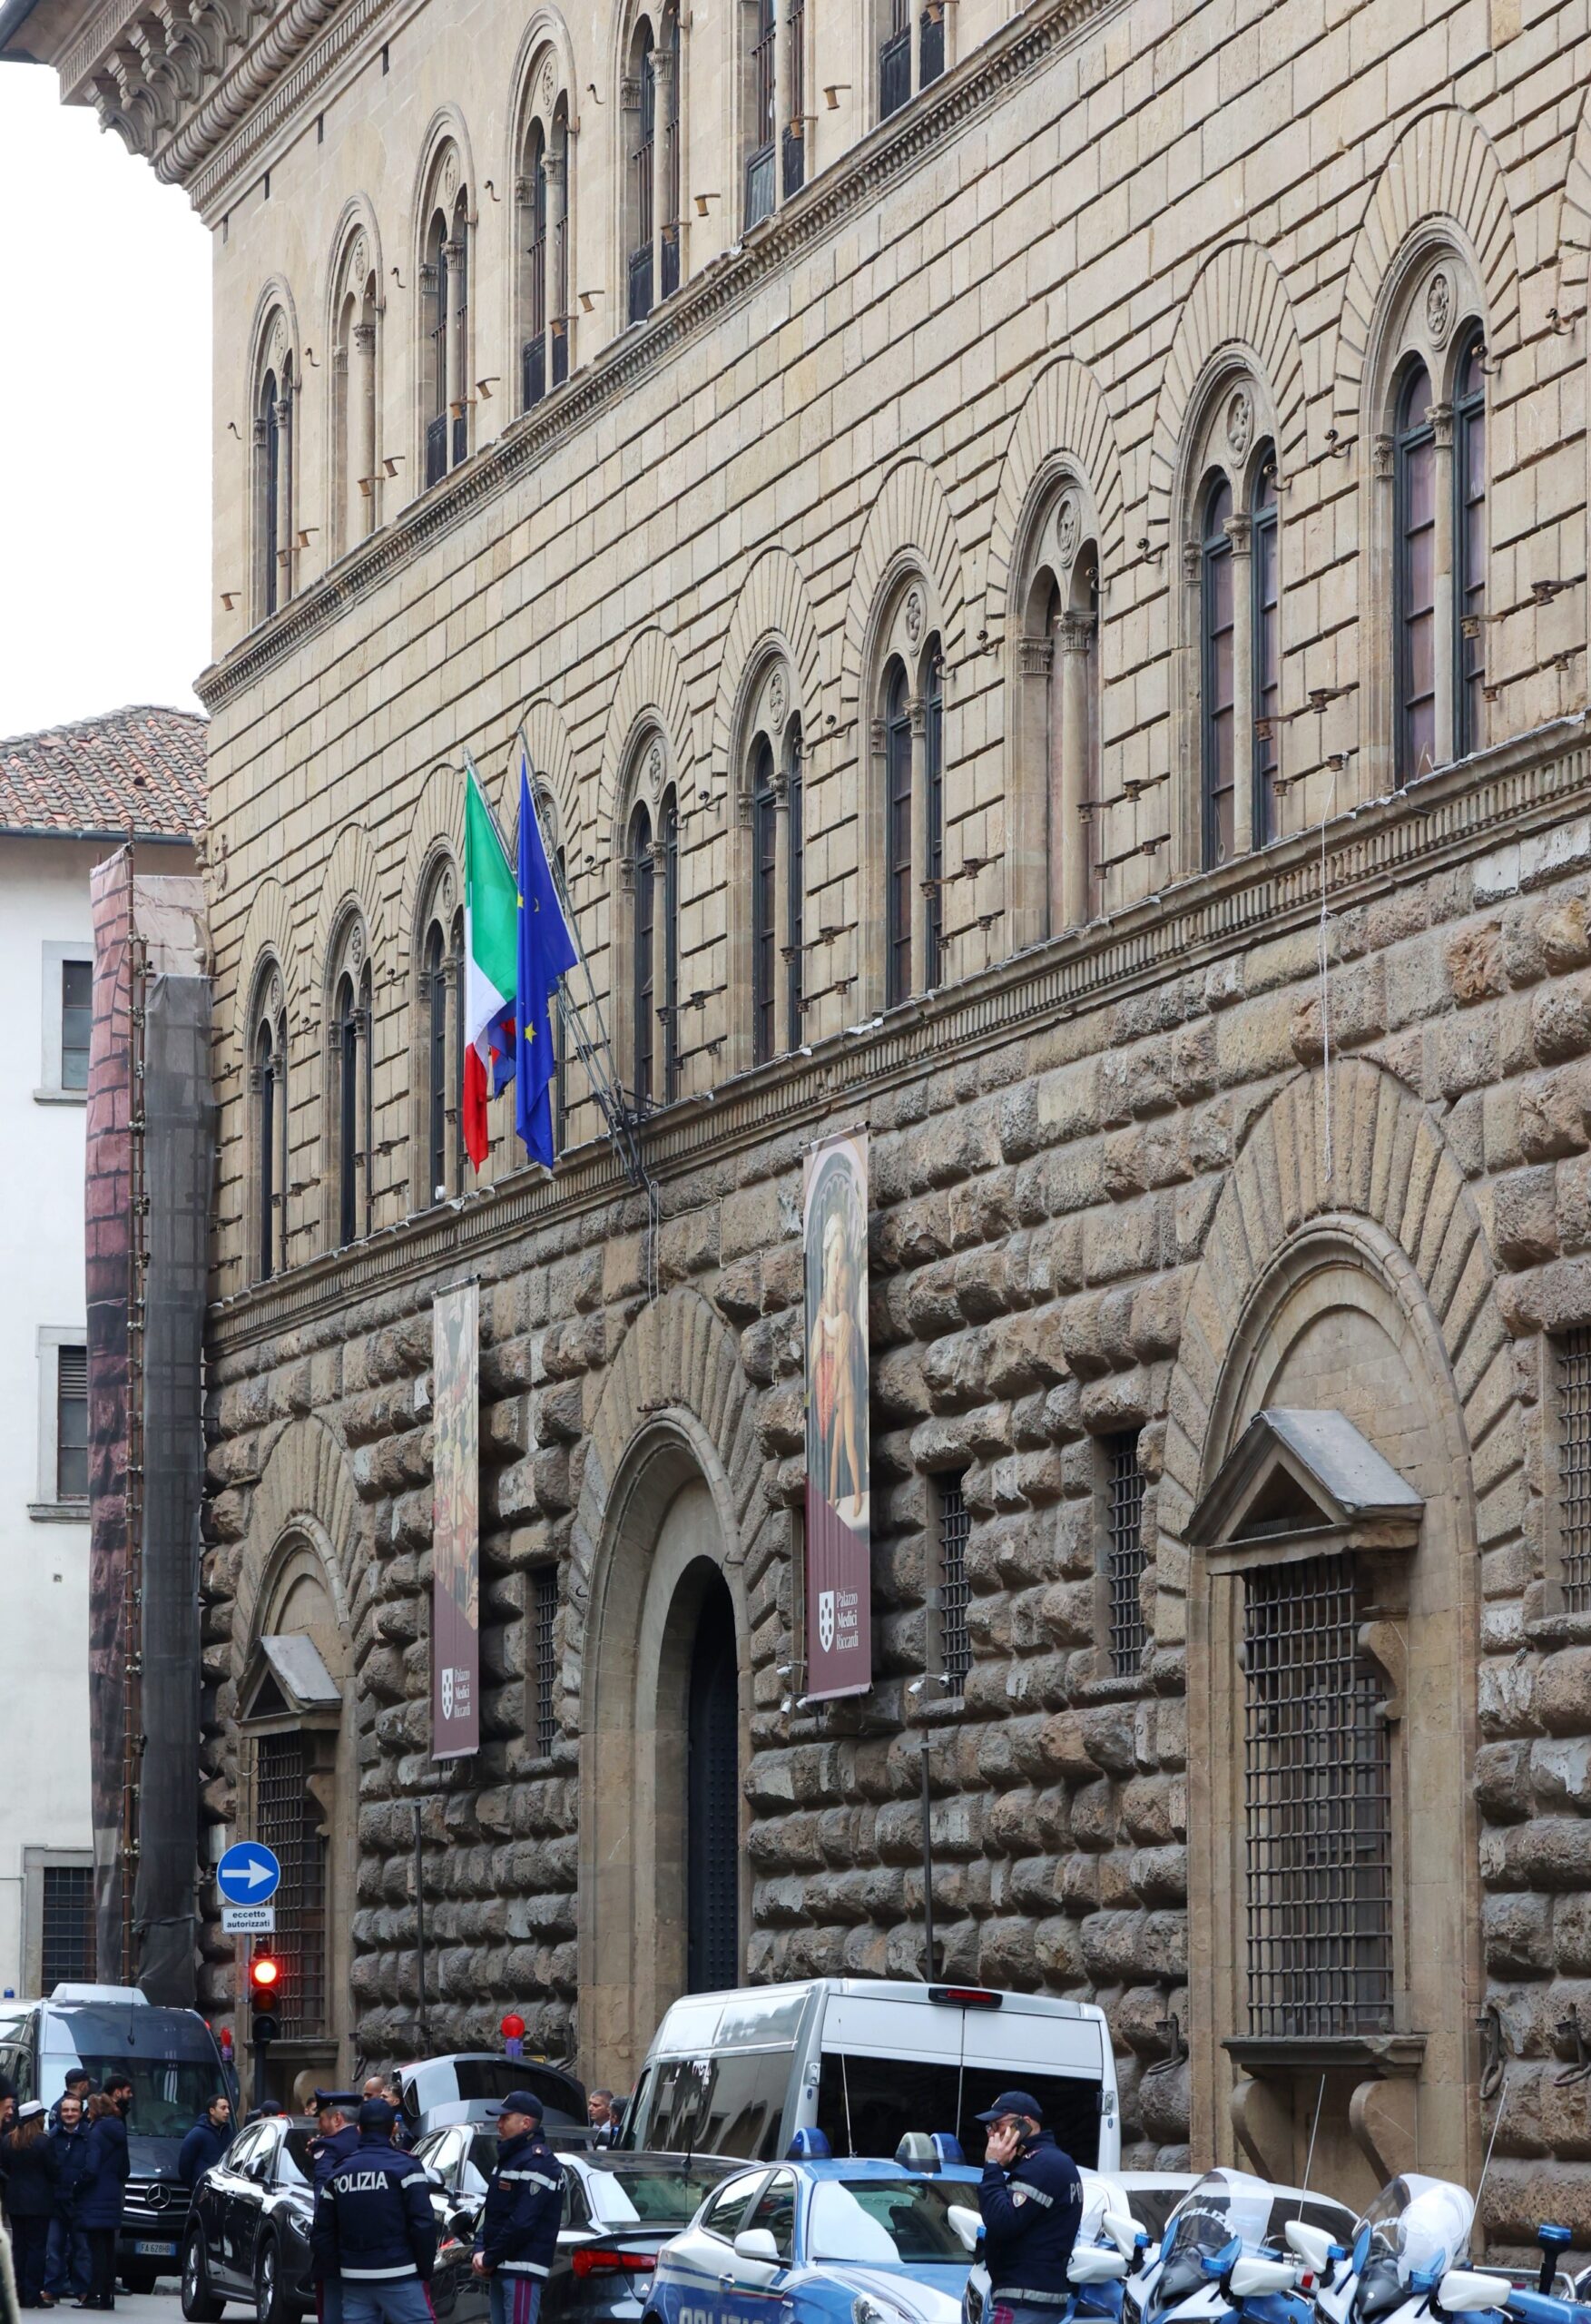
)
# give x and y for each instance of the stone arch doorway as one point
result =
(663, 1887)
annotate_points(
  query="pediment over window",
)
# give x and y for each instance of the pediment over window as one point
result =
(287, 1681)
(1298, 1480)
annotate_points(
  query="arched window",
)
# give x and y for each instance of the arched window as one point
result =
(669, 219)
(1265, 635)
(267, 1141)
(546, 322)
(273, 488)
(795, 885)
(667, 825)
(764, 902)
(1414, 458)
(346, 1173)
(438, 1090)
(761, 108)
(643, 934)
(1217, 674)
(641, 102)
(897, 812)
(1470, 546)
(933, 697)
(445, 306)
(1053, 836)
(355, 483)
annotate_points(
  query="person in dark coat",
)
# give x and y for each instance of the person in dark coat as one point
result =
(336, 2135)
(375, 2229)
(101, 2195)
(79, 2082)
(207, 2141)
(1031, 2198)
(66, 2266)
(31, 2174)
(518, 2239)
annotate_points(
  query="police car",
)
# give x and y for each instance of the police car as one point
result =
(817, 2240)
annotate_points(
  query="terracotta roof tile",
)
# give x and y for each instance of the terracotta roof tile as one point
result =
(143, 767)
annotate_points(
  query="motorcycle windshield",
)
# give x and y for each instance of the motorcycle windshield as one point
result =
(1225, 2205)
(1417, 2229)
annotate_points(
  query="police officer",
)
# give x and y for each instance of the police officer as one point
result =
(1031, 2198)
(337, 2133)
(517, 2238)
(375, 2232)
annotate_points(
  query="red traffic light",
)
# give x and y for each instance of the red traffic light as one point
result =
(264, 1973)
(513, 2027)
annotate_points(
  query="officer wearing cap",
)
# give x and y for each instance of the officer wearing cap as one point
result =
(517, 2238)
(336, 2135)
(1031, 2198)
(375, 2230)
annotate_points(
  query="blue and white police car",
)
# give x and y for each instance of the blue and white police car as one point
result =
(817, 2240)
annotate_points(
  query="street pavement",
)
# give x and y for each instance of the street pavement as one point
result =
(163, 2306)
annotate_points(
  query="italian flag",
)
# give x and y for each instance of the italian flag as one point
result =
(491, 906)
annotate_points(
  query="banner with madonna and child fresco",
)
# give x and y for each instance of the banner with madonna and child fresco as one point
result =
(839, 1614)
(455, 1531)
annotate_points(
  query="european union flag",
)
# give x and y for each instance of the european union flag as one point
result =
(546, 954)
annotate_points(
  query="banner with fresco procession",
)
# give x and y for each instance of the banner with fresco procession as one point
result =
(839, 1614)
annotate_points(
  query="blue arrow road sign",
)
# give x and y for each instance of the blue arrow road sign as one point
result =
(247, 1874)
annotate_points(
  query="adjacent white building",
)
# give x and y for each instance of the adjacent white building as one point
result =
(67, 797)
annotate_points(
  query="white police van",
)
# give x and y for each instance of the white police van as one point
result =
(865, 2061)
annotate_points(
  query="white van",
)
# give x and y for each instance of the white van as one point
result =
(866, 2059)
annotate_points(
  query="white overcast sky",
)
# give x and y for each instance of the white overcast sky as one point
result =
(104, 420)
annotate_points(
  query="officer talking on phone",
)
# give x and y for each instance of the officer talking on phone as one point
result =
(1031, 2197)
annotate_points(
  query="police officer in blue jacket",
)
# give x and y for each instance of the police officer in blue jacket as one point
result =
(517, 2238)
(1031, 2198)
(375, 2232)
(337, 2133)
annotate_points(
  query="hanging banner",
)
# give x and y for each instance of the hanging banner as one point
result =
(839, 1610)
(455, 1538)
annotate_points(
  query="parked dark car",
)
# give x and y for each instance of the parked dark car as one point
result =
(247, 2236)
(466, 2084)
(619, 2211)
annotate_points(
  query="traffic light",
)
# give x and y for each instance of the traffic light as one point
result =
(264, 1990)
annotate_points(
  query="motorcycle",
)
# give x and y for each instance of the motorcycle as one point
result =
(1216, 2263)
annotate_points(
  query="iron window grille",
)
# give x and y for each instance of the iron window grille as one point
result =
(1317, 1802)
(67, 1954)
(955, 1532)
(76, 1012)
(288, 1822)
(1574, 1468)
(544, 1621)
(1125, 1558)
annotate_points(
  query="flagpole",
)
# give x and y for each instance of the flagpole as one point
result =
(595, 1054)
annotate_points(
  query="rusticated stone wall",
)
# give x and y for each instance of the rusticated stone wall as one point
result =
(1062, 1153)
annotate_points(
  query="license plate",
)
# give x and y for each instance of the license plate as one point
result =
(155, 2250)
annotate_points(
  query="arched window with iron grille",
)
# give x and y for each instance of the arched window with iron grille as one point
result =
(668, 827)
(764, 902)
(643, 894)
(933, 694)
(1265, 646)
(1469, 547)
(897, 821)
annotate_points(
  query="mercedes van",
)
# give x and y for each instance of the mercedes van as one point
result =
(176, 2069)
(865, 2060)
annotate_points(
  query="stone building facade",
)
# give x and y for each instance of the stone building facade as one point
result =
(1062, 642)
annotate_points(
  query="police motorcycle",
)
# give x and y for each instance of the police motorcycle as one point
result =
(1493, 2295)
(1110, 2247)
(1216, 2266)
(1406, 2263)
